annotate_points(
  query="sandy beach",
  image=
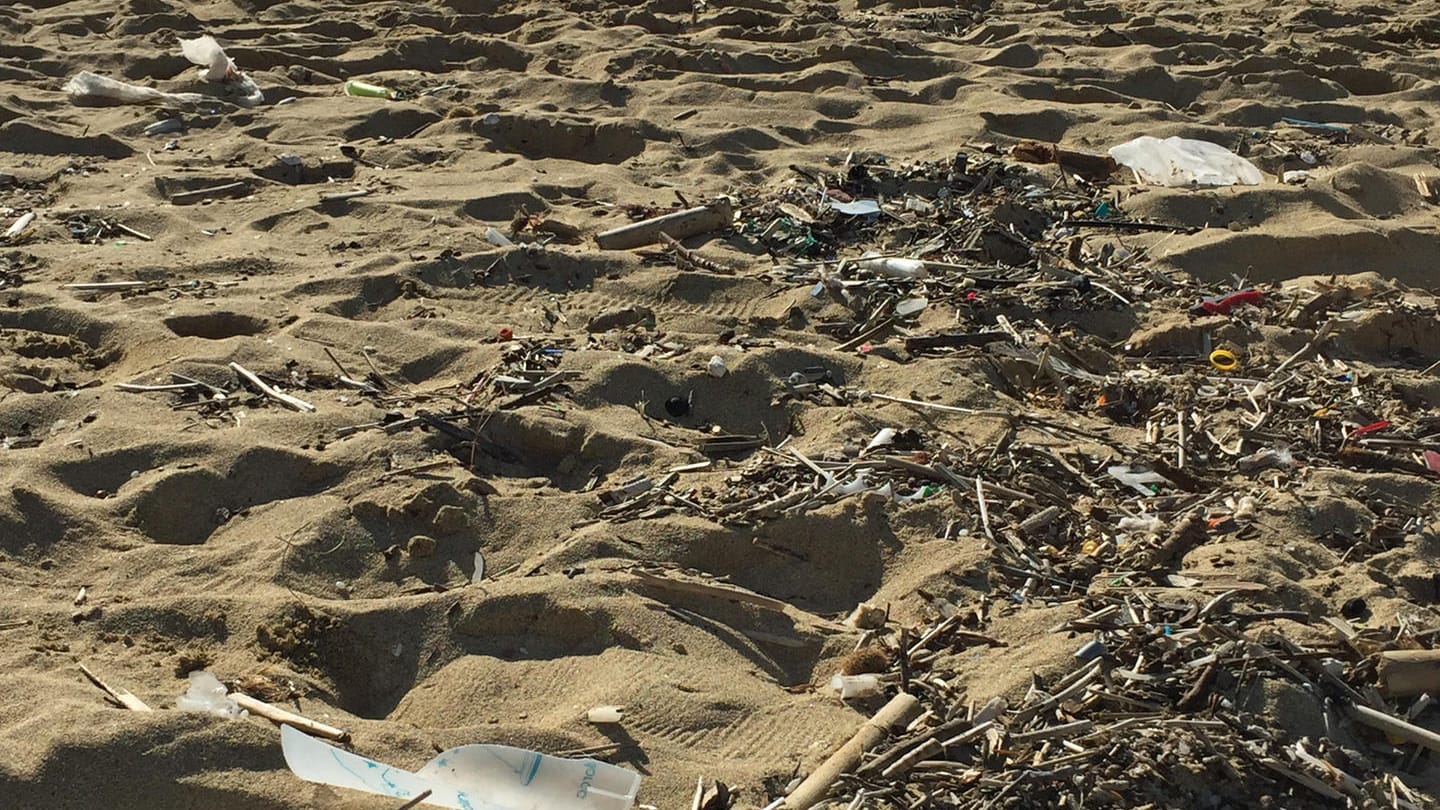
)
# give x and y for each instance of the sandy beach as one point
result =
(325, 557)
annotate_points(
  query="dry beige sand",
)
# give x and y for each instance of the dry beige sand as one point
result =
(216, 540)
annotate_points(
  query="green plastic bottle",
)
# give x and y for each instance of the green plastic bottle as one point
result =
(357, 88)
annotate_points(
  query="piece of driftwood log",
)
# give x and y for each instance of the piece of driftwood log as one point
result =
(690, 222)
(1088, 164)
(900, 710)
(1406, 673)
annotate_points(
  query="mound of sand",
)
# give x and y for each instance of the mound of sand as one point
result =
(278, 546)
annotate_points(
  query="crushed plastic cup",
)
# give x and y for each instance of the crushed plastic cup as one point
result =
(1185, 162)
(1147, 525)
(716, 367)
(208, 695)
(471, 777)
(911, 306)
(858, 208)
(883, 438)
(850, 687)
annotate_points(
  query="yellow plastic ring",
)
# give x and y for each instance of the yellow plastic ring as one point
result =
(1224, 360)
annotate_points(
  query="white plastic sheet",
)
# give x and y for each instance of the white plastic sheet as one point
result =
(1185, 162)
(215, 66)
(87, 87)
(858, 208)
(471, 777)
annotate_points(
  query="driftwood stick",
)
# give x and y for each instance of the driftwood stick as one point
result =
(1321, 335)
(218, 393)
(120, 696)
(278, 715)
(107, 285)
(270, 391)
(687, 259)
(343, 371)
(920, 753)
(344, 195)
(901, 709)
(202, 192)
(345, 378)
(984, 507)
(120, 226)
(1395, 727)
(932, 406)
(689, 586)
(939, 473)
(145, 389)
(690, 222)
(853, 343)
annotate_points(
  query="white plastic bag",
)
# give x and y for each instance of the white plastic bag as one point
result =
(215, 66)
(1185, 162)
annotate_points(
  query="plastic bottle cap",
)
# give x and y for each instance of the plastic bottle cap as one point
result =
(1224, 360)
